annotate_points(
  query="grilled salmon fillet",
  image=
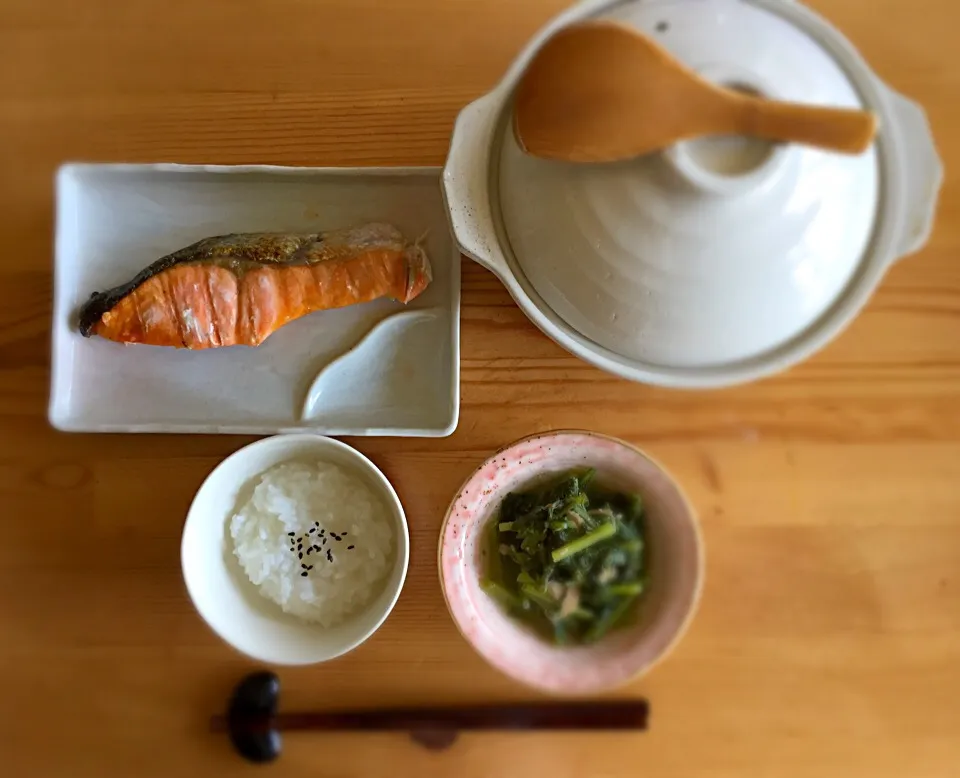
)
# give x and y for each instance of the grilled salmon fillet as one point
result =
(238, 289)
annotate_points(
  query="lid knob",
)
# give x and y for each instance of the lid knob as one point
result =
(730, 164)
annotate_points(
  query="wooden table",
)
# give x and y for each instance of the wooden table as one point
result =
(828, 641)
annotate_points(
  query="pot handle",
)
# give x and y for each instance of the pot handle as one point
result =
(922, 171)
(466, 186)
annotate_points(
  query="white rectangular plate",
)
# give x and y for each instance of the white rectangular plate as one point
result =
(387, 368)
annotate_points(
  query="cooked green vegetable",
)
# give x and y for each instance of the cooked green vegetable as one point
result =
(568, 558)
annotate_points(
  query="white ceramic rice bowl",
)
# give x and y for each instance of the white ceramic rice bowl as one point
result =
(227, 600)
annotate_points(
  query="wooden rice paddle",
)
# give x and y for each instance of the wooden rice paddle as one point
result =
(600, 92)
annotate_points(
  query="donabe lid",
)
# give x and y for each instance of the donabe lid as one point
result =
(715, 251)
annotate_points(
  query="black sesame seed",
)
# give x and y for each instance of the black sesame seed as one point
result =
(304, 575)
(316, 524)
(312, 530)
(309, 550)
(291, 534)
(343, 534)
(350, 548)
(310, 567)
(329, 555)
(299, 546)
(300, 555)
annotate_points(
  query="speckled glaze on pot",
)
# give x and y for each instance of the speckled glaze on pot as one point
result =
(676, 565)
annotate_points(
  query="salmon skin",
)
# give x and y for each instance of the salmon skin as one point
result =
(238, 289)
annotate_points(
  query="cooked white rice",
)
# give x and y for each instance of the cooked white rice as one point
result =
(312, 506)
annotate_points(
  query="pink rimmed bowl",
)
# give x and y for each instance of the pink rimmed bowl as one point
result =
(675, 563)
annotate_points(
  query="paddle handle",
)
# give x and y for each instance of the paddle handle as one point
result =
(834, 129)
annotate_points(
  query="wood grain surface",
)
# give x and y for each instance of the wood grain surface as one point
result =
(828, 641)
